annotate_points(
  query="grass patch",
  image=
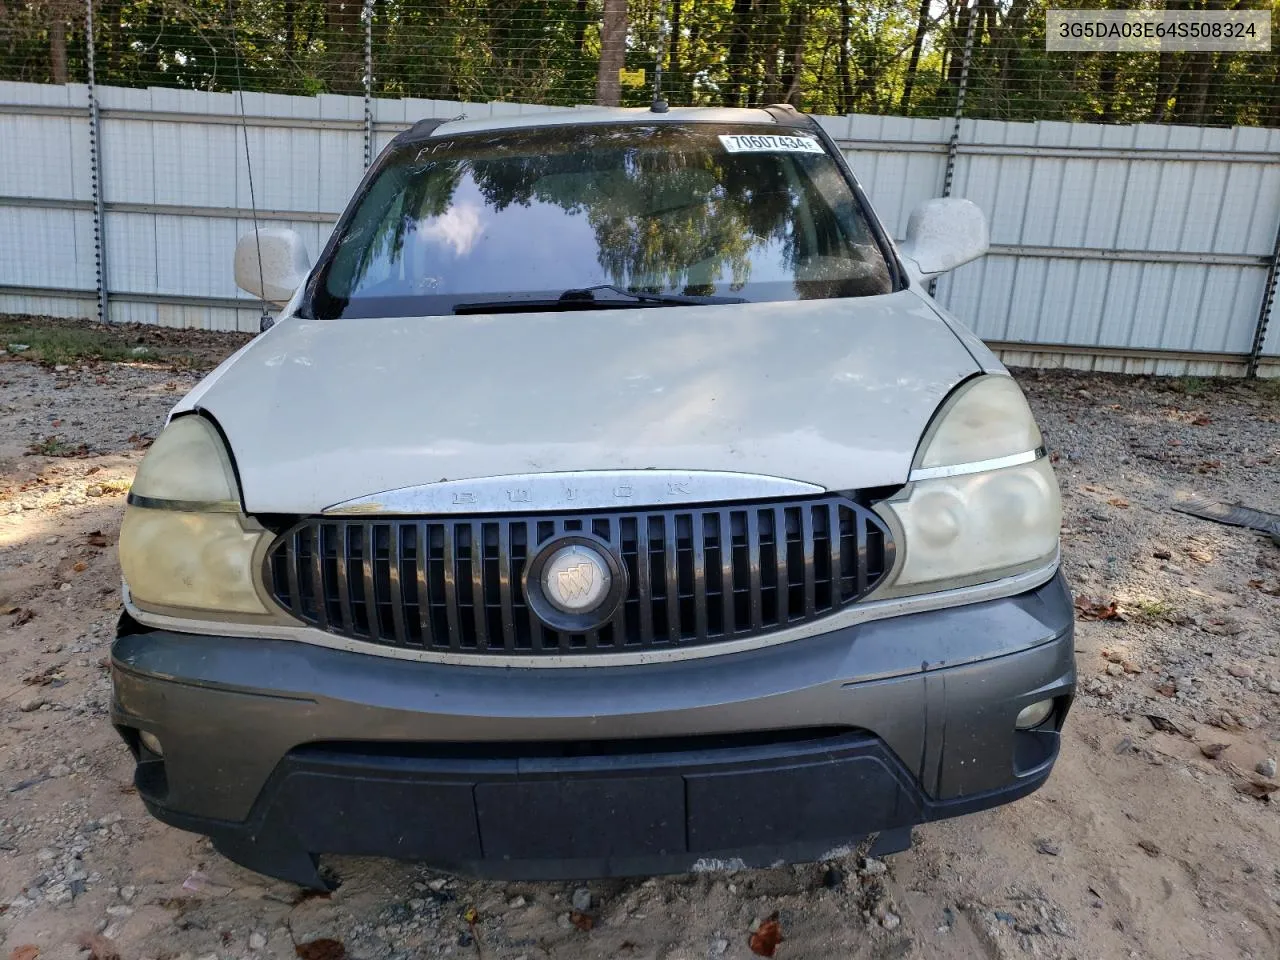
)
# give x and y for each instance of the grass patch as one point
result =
(1268, 389)
(1190, 386)
(55, 344)
(50, 341)
(1151, 610)
(55, 446)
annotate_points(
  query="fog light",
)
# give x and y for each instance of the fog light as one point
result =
(150, 741)
(1033, 714)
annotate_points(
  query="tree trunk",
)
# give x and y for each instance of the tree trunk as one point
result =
(737, 83)
(922, 27)
(613, 53)
(58, 47)
(1167, 73)
(1107, 91)
(797, 27)
(692, 50)
(580, 27)
(1166, 81)
(673, 47)
(956, 61)
(345, 40)
(1193, 88)
(290, 25)
(842, 65)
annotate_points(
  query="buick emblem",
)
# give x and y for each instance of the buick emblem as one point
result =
(576, 579)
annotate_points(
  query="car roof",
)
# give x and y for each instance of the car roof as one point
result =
(582, 116)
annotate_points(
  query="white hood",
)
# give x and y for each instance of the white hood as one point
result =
(830, 392)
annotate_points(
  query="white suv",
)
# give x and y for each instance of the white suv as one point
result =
(609, 498)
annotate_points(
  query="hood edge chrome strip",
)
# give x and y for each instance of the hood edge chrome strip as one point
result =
(573, 490)
(977, 466)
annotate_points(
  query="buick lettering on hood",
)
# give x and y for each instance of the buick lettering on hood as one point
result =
(609, 498)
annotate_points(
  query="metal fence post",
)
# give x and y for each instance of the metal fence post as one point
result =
(95, 172)
(1264, 312)
(367, 16)
(953, 144)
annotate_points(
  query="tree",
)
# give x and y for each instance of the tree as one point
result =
(613, 53)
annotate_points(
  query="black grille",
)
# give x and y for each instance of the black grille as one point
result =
(695, 576)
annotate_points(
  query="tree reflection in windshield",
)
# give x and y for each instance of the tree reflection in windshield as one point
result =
(659, 208)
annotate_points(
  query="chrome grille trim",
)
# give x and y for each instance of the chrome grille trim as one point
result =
(696, 576)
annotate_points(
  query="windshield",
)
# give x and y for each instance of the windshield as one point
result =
(589, 216)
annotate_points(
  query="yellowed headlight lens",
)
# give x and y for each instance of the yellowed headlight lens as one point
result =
(203, 562)
(956, 531)
(188, 462)
(987, 418)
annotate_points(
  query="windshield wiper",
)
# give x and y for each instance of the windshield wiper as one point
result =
(585, 298)
(671, 299)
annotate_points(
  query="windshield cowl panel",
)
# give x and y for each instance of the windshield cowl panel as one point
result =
(665, 214)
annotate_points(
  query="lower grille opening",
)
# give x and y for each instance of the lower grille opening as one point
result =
(543, 749)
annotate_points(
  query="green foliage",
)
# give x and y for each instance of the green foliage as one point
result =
(52, 345)
(827, 56)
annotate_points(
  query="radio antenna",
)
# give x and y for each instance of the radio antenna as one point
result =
(265, 322)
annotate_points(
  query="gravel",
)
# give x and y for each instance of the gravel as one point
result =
(1194, 600)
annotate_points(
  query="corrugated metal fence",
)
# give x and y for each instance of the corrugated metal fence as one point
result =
(1133, 248)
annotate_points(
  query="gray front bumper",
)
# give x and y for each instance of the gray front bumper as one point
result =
(936, 693)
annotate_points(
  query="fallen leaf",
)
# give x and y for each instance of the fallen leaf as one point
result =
(583, 921)
(22, 616)
(1165, 725)
(1203, 420)
(80, 566)
(764, 942)
(7, 608)
(1213, 750)
(323, 949)
(99, 947)
(96, 538)
(1200, 556)
(472, 916)
(28, 951)
(1166, 690)
(1090, 608)
(1119, 502)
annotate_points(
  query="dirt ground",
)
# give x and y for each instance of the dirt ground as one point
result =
(1142, 844)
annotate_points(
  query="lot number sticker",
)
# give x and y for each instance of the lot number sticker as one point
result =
(768, 143)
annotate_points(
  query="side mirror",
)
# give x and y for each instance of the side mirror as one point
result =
(284, 265)
(942, 234)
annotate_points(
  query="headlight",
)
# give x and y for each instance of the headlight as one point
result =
(186, 547)
(982, 503)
